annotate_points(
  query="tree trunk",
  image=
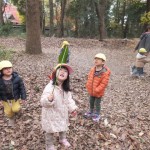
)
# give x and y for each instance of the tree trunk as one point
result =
(100, 10)
(61, 28)
(1, 13)
(42, 16)
(122, 19)
(51, 6)
(148, 6)
(76, 27)
(33, 41)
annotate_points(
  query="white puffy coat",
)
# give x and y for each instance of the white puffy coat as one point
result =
(55, 113)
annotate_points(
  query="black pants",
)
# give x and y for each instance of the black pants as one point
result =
(137, 70)
(95, 101)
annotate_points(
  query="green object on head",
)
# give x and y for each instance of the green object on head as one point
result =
(64, 55)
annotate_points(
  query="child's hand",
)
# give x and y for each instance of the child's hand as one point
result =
(74, 113)
(51, 97)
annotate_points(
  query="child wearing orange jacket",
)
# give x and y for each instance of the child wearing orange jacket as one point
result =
(97, 82)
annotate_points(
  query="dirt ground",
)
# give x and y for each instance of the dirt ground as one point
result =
(125, 114)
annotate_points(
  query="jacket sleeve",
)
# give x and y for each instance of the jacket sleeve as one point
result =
(88, 78)
(103, 83)
(141, 43)
(22, 89)
(44, 98)
(71, 103)
(147, 43)
(143, 60)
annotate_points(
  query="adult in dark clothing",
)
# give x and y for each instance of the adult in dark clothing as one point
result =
(144, 40)
(12, 90)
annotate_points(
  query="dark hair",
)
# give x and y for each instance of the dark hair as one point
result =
(147, 28)
(1, 72)
(65, 85)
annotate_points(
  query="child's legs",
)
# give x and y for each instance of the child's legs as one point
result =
(8, 109)
(62, 135)
(16, 106)
(140, 71)
(48, 139)
(98, 105)
(92, 100)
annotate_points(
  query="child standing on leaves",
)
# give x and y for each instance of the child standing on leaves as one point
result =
(56, 102)
(141, 59)
(12, 89)
(98, 78)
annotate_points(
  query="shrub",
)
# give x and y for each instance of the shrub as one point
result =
(5, 29)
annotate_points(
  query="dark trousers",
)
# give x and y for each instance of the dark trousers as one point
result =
(95, 101)
(137, 70)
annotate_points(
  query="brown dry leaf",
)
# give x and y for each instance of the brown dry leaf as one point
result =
(125, 107)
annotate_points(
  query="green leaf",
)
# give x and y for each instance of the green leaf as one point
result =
(64, 55)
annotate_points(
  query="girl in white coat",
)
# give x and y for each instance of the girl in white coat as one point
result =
(56, 102)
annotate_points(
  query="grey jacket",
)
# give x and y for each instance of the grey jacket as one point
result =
(144, 42)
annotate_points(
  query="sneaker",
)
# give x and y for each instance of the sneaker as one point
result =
(11, 122)
(88, 115)
(50, 147)
(65, 143)
(96, 118)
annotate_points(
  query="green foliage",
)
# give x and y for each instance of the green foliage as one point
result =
(5, 29)
(5, 54)
(84, 17)
(145, 18)
(64, 55)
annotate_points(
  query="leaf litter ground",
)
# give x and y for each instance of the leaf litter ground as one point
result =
(125, 123)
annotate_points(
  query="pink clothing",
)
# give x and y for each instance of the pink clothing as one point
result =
(55, 113)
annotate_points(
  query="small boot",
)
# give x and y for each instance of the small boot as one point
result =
(50, 147)
(65, 143)
(11, 122)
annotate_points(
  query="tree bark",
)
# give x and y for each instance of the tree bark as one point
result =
(63, 5)
(33, 41)
(1, 13)
(100, 10)
(51, 6)
(148, 6)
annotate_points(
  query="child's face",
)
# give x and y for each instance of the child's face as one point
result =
(7, 71)
(62, 74)
(98, 62)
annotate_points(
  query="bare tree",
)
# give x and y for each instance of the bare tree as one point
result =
(148, 5)
(51, 31)
(33, 41)
(1, 13)
(61, 28)
(100, 10)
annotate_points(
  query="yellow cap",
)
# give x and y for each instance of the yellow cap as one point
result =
(5, 64)
(101, 56)
(142, 50)
(65, 43)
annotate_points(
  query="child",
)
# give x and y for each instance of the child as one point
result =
(11, 90)
(56, 102)
(64, 58)
(138, 69)
(97, 81)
